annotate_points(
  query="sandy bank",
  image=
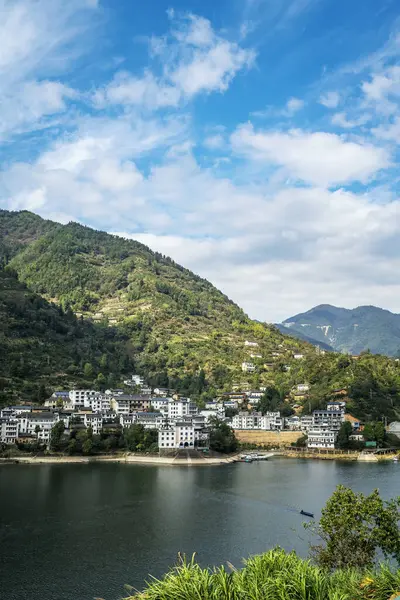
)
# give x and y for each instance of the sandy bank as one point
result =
(121, 458)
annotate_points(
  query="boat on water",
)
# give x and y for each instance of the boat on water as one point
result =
(247, 458)
(307, 514)
(396, 459)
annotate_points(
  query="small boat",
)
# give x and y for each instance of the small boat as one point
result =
(307, 514)
(396, 459)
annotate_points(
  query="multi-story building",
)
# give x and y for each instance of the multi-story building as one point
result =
(328, 419)
(38, 424)
(78, 397)
(306, 422)
(149, 420)
(166, 437)
(256, 420)
(93, 420)
(8, 430)
(181, 408)
(160, 404)
(337, 405)
(321, 438)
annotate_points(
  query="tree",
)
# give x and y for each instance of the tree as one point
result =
(88, 371)
(87, 446)
(353, 527)
(270, 400)
(375, 432)
(222, 437)
(344, 433)
(56, 435)
(134, 436)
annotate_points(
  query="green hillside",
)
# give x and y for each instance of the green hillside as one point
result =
(82, 306)
(42, 346)
(178, 322)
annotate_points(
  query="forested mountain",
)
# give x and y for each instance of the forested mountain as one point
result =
(353, 331)
(182, 330)
(85, 308)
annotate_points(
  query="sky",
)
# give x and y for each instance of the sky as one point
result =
(256, 142)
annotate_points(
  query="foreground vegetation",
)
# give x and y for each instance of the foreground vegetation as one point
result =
(275, 575)
(352, 529)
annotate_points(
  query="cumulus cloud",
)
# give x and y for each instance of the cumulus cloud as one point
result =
(266, 225)
(330, 99)
(37, 37)
(318, 158)
(195, 59)
(293, 105)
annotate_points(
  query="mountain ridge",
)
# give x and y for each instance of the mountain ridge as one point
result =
(365, 327)
(82, 308)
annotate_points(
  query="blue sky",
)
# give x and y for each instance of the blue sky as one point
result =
(254, 141)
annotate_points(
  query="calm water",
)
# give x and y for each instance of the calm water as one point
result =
(73, 532)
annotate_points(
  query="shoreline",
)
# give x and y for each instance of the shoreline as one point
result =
(125, 458)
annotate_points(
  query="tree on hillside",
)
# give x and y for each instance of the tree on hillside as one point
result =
(353, 527)
(375, 432)
(55, 436)
(343, 436)
(270, 400)
(222, 437)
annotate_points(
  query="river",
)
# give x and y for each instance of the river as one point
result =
(75, 532)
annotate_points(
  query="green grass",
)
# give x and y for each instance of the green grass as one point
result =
(275, 575)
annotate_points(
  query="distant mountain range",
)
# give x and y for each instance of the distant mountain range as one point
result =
(347, 330)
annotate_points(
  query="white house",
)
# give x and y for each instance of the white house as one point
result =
(248, 367)
(181, 408)
(328, 419)
(298, 356)
(93, 420)
(97, 403)
(302, 387)
(161, 404)
(184, 434)
(269, 421)
(39, 424)
(137, 380)
(121, 405)
(78, 397)
(251, 344)
(149, 420)
(306, 422)
(166, 437)
(337, 405)
(320, 438)
(356, 436)
(8, 430)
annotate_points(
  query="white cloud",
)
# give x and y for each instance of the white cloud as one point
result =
(293, 105)
(330, 99)
(274, 247)
(194, 60)
(389, 131)
(37, 37)
(341, 120)
(26, 106)
(318, 158)
(214, 142)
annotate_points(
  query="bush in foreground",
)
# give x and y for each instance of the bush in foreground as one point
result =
(275, 575)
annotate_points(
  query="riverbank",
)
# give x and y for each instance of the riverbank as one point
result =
(339, 455)
(173, 461)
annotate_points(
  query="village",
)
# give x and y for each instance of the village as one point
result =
(179, 422)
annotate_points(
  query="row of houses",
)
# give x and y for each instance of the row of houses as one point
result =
(179, 422)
